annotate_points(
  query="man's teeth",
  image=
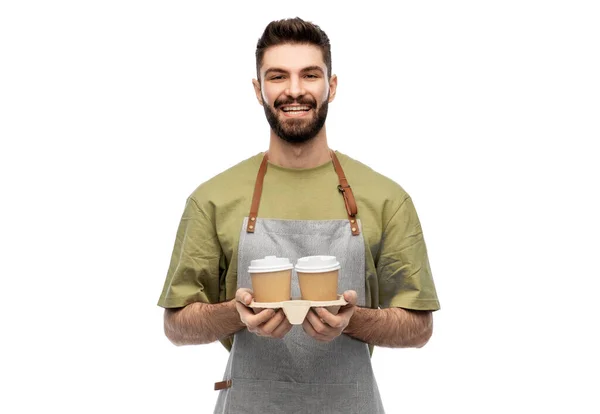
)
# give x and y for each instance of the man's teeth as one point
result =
(296, 108)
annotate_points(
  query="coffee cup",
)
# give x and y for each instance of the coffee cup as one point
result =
(318, 277)
(271, 279)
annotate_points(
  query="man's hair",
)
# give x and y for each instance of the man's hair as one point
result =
(293, 31)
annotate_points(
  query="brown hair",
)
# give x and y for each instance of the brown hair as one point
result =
(294, 30)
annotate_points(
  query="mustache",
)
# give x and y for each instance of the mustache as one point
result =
(302, 101)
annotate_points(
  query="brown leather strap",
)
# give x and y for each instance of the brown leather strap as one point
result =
(223, 385)
(343, 187)
(258, 186)
(346, 191)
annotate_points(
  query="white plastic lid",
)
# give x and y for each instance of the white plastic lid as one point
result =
(269, 264)
(317, 264)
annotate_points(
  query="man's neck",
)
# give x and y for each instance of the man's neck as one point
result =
(309, 154)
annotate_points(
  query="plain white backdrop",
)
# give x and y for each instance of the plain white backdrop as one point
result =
(487, 113)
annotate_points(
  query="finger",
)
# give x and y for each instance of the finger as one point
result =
(308, 328)
(329, 318)
(243, 311)
(254, 321)
(351, 297)
(284, 327)
(269, 326)
(244, 296)
(318, 326)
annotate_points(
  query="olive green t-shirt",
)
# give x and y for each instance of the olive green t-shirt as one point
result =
(203, 265)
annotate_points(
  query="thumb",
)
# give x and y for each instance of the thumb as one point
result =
(351, 297)
(244, 296)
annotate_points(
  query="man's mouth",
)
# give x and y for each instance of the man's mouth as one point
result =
(291, 110)
(295, 108)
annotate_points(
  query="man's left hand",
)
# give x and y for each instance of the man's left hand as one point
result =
(324, 326)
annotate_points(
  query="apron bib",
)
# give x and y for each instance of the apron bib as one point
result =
(298, 374)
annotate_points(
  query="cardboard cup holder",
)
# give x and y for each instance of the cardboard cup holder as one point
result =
(296, 309)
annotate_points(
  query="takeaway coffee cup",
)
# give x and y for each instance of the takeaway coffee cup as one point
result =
(318, 277)
(271, 279)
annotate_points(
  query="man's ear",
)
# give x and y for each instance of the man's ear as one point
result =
(332, 87)
(257, 91)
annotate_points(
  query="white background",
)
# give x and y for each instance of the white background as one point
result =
(112, 112)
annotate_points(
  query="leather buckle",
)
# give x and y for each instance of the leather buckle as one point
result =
(223, 385)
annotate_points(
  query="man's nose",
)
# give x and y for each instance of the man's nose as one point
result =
(295, 88)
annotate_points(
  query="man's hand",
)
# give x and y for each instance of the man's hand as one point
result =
(324, 326)
(268, 322)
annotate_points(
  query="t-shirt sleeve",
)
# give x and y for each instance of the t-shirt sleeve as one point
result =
(403, 270)
(193, 274)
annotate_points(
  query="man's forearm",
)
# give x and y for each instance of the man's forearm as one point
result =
(201, 323)
(392, 327)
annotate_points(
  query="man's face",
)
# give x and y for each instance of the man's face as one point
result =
(295, 90)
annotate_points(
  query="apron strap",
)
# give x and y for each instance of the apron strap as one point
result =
(343, 187)
(258, 186)
(346, 191)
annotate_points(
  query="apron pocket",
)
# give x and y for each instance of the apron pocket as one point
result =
(252, 396)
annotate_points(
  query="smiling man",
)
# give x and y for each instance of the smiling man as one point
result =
(295, 96)
(307, 207)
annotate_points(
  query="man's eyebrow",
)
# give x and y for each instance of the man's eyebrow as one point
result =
(311, 68)
(276, 70)
(306, 69)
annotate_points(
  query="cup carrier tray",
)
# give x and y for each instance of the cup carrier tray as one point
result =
(296, 309)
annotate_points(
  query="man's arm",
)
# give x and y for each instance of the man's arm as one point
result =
(392, 327)
(202, 323)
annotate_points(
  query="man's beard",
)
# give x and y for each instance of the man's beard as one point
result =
(297, 130)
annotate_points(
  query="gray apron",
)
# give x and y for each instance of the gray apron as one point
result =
(298, 374)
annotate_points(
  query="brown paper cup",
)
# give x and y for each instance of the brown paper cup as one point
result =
(318, 277)
(271, 279)
(318, 286)
(272, 286)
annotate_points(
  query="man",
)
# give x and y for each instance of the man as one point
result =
(313, 201)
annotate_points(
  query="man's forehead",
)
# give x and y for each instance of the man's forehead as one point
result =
(293, 57)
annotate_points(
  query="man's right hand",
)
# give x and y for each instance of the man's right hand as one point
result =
(268, 322)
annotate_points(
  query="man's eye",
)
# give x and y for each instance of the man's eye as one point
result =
(312, 76)
(278, 77)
